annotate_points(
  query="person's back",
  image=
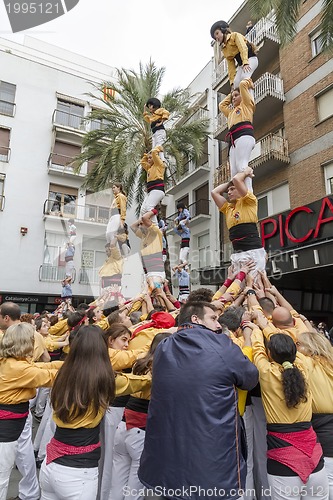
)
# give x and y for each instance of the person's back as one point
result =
(193, 436)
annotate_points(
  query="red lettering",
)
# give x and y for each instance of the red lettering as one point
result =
(281, 230)
(321, 220)
(288, 219)
(264, 236)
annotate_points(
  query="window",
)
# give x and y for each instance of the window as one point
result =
(4, 144)
(201, 201)
(62, 201)
(54, 249)
(2, 191)
(184, 200)
(328, 172)
(92, 258)
(7, 98)
(316, 43)
(274, 201)
(69, 114)
(63, 154)
(204, 250)
(325, 104)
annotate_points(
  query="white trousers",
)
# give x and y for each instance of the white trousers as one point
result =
(151, 201)
(45, 432)
(287, 487)
(69, 266)
(260, 449)
(7, 460)
(183, 254)
(112, 227)
(249, 429)
(239, 157)
(58, 482)
(238, 259)
(110, 422)
(241, 74)
(128, 446)
(157, 139)
(329, 472)
(42, 395)
(25, 461)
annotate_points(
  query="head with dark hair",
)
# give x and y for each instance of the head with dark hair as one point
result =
(74, 319)
(9, 313)
(54, 320)
(157, 308)
(27, 318)
(282, 350)
(86, 380)
(117, 336)
(119, 317)
(144, 365)
(110, 306)
(201, 295)
(94, 314)
(221, 26)
(267, 305)
(200, 313)
(153, 101)
(180, 205)
(135, 317)
(119, 188)
(232, 317)
(82, 307)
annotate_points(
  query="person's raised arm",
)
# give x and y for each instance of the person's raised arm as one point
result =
(239, 180)
(217, 194)
(224, 106)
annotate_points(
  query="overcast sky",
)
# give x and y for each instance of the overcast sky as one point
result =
(174, 33)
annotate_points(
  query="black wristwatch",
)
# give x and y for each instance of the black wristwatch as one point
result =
(250, 292)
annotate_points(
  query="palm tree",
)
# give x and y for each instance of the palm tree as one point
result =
(115, 149)
(287, 13)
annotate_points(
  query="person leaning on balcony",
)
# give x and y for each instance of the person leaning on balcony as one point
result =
(240, 135)
(235, 48)
(118, 211)
(241, 219)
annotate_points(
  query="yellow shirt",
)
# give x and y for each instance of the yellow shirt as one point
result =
(144, 338)
(122, 359)
(151, 240)
(39, 346)
(113, 265)
(270, 379)
(236, 43)
(158, 115)
(293, 331)
(125, 384)
(59, 328)
(244, 210)
(157, 169)
(120, 202)
(20, 378)
(243, 112)
(233, 289)
(320, 384)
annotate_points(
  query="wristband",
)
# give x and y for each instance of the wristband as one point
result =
(155, 212)
(227, 282)
(250, 292)
(240, 276)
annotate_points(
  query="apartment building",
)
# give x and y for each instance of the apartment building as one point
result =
(293, 157)
(43, 102)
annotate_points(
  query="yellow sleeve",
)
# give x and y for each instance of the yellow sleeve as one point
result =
(147, 117)
(39, 346)
(242, 47)
(156, 158)
(52, 365)
(121, 360)
(51, 345)
(233, 289)
(121, 202)
(224, 208)
(103, 323)
(260, 358)
(217, 295)
(242, 395)
(231, 69)
(247, 98)
(270, 330)
(144, 163)
(129, 383)
(59, 328)
(35, 376)
(136, 306)
(224, 106)
(164, 114)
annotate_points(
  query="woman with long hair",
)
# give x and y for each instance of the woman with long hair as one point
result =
(130, 434)
(295, 462)
(118, 211)
(85, 389)
(319, 356)
(19, 378)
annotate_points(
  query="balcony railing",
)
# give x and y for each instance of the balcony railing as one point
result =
(264, 28)
(220, 72)
(7, 108)
(61, 162)
(4, 153)
(89, 276)
(270, 147)
(50, 273)
(2, 202)
(221, 175)
(88, 213)
(268, 85)
(199, 207)
(68, 120)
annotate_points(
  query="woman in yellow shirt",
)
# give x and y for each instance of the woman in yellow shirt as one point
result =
(118, 211)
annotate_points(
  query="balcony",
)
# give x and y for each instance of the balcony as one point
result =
(7, 108)
(199, 211)
(269, 153)
(84, 213)
(62, 164)
(268, 94)
(221, 175)
(4, 154)
(264, 36)
(63, 119)
(53, 274)
(89, 276)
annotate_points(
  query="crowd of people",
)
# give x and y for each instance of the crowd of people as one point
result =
(207, 395)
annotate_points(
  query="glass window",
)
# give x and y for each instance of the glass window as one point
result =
(262, 207)
(328, 172)
(69, 114)
(2, 191)
(316, 43)
(62, 201)
(325, 104)
(4, 144)
(274, 201)
(204, 250)
(7, 98)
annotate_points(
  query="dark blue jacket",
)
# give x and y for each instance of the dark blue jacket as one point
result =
(193, 434)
